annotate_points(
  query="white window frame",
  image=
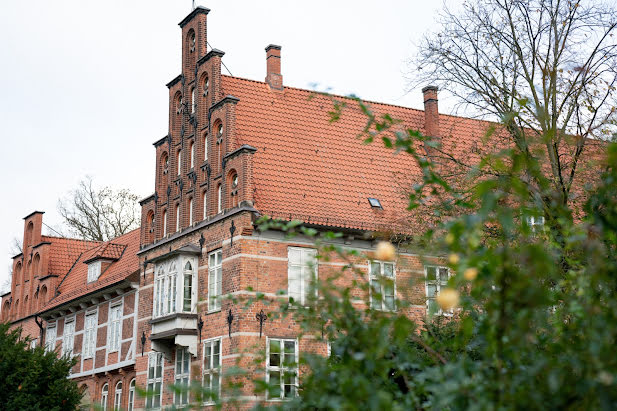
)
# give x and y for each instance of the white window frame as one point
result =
(118, 396)
(178, 217)
(193, 101)
(182, 376)
(169, 286)
(179, 158)
(50, 337)
(215, 280)
(68, 339)
(114, 336)
(281, 368)
(164, 223)
(192, 155)
(131, 400)
(377, 280)
(220, 198)
(153, 380)
(308, 256)
(212, 369)
(191, 211)
(91, 323)
(206, 148)
(104, 395)
(438, 284)
(94, 271)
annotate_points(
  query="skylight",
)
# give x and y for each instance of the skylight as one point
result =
(374, 202)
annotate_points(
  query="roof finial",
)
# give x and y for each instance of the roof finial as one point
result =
(193, 5)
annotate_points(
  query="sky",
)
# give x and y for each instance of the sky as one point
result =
(84, 91)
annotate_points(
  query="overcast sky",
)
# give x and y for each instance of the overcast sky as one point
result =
(84, 81)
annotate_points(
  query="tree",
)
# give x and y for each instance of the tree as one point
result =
(545, 69)
(33, 378)
(99, 214)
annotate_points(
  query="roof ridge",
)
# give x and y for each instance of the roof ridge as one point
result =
(329, 94)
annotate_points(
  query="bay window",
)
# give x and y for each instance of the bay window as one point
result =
(175, 288)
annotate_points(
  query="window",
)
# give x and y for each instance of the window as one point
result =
(190, 211)
(187, 298)
(302, 269)
(173, 290)
(183, 362)
(374, 202)
(179, 161)
(219, 131)
(382, 285)
(50, 337)
(118, 396)
(104, 395)
(90, 334)
(193, 100)
(165, 163)
(115, 328)
(206, 147)
(212, 368)
(131, 403)
(94, 271)
(281, 368)
(177, 217)
(219, 191)
(192, 154)
(206, 86)
(164, 223)
(205, 202)
(536, 223)
(192, 42)
(215, 280)
(68, 337)
(436, 278)
(155, 380)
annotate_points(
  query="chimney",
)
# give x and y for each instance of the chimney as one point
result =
(273, 66)
(431, 111)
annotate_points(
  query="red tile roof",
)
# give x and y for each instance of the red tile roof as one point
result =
(311, 169)
(75, 284)
(64, 251)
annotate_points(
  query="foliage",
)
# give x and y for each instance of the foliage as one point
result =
(546, 70)
(32, 378)
(99, 214)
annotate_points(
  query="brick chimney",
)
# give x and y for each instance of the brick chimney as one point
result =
(273, 67)
(431, 111)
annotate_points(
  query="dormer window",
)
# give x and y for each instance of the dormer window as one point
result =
(94, 270)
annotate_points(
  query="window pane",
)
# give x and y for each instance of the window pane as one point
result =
(431, 273)
(275, 353)
(274, 390)
(289, 384)
(431, 290)
(216, 354)
(188, 282)
(290, 353)
(375, 268)
(388, 270)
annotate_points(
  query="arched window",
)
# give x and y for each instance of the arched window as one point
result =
(190, 205)
(118, 396)
(187, 300)
(206, 86)
(193, 101)
(25, 308)
(164, 223)
(219, 131)
(131, 403)
(36, 263)
(164, 163)
(205, 147)
(219, 199)
(104, 395)
(17, 274)
(28, 239)
(149, 226)
(5, 310)
(205, 203)
(178, 102)
(177, 217)
(233, 192)
(16, 309)
(192, 154)
(43, 296)
(191, 39)
(179, 161)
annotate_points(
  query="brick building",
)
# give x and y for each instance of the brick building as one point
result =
(149, 308)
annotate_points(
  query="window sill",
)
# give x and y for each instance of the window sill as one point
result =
(216, 310)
